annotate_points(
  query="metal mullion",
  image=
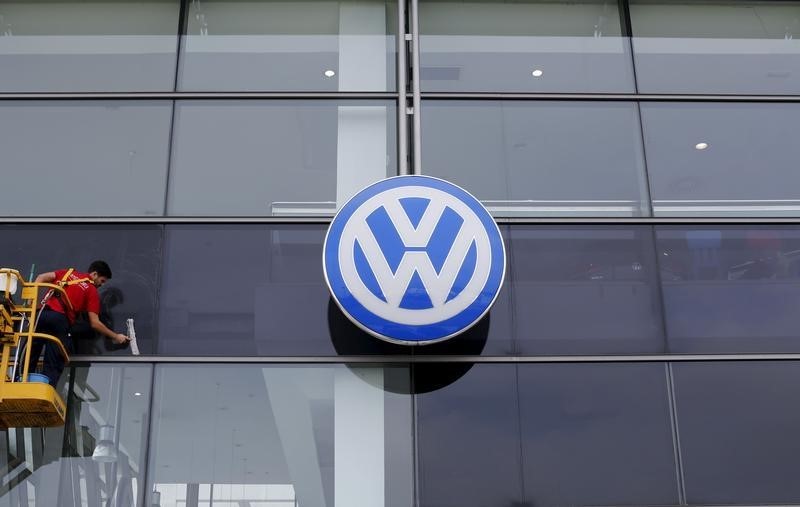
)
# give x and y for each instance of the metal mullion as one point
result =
(198, 95)
(318, 220)
(621, 97)
(402, 95)
(416, 93)
(406, 359)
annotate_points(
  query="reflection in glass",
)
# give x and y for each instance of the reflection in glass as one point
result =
(596, 434)
(258, 158)
(98, 457)
(539, 158)
(580, 290)
(98, 46)
(84, 158)
(527, 46)
(134, 253)
(738, 428)
(323, 435)
(722, 159)
(731, 289)
(274, 303)
(731, 46)
(289, 46)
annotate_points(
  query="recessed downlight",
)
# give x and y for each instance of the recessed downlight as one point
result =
(329, 73)
(701, 146)
(537, 73)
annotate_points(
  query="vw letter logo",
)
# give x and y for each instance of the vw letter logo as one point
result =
(414, 260)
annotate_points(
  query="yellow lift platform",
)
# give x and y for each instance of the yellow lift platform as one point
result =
(24, 403)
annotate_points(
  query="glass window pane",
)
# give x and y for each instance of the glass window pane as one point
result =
(277, 157)
(722, 159)
(327, 435)
(84, 158)
(98, 46)
(289, 46)
(98, 457)
(738, 431)
(468, 440)
(731, 289)
(585, 290)
(132, 251)
(539, 158)
(730, 46)
(596, 434)
(527, 46)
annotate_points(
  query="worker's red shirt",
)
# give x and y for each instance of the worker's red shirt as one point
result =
(83, 296)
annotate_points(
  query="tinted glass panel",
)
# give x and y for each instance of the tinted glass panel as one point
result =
(731, 289)
(84, 158)
(326, 435)
(730, 46)
(99, 46)
(289, 46)
(134, 255)
(542, 158)
(98, 457)
(585, 290)
(722, 159)
(277, 157)
(531, 46)
(468, 440)
(738, 427)
(596, 434)
(276, 302)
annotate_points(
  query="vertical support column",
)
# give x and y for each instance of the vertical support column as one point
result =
(417, 100)
(402, 97)
(359, 438)
(361, 148)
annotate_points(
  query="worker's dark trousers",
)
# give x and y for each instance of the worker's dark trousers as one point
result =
(56, 324)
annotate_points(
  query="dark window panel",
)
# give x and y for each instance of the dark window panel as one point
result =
(256, 158)
(84, 158)
(134, 254)
(730, 289)
(289, 46)
(736, 47)
(468, 440)
(722, 159)
(103, 46)
(738, 430)
(580, 290)
(529, 46)
(596, 434)
(539, 158)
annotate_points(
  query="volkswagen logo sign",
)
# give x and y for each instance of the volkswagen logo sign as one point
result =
(414, 260)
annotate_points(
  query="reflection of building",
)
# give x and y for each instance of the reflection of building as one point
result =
(638, 155)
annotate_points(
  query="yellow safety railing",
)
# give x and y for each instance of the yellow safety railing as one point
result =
(13, 316)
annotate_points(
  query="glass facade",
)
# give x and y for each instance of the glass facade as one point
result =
(638, 156)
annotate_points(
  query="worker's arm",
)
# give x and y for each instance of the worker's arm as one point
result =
(98, 326)
(48, 277)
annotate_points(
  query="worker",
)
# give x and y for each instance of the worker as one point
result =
(56, 317)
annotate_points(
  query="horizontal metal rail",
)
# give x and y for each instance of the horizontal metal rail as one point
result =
(327, 219)
(405, 359)
(195, 95)
(627, 97)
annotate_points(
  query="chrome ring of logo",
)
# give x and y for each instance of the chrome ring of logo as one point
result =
(414, 260)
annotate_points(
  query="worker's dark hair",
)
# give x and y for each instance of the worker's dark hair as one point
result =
(101, 267)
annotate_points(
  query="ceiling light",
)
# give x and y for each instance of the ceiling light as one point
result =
(104, 451)
(537, 73)
(137, 394)
(701, 146)
(329, 73)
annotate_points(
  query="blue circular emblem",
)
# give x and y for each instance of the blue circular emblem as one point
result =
(414, 260)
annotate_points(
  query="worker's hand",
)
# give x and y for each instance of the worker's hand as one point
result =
(120, 338)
